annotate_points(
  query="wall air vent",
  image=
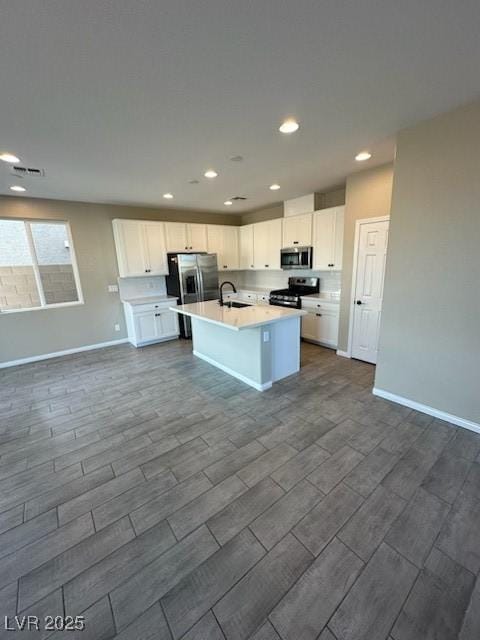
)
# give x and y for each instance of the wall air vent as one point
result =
(238, 198)
(28, 172)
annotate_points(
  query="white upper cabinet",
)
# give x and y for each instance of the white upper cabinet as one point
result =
(267, 241)
(230, 248)
(328, 239)
(129, 246)
(246, 247)
(155, 249)
(176, 236)
(297, 231)
(223, 240)
(140, 247)
(197, 237)
(303, 204)
(186, 237)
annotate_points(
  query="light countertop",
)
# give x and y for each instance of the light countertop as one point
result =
(237, 319)
(149, 299)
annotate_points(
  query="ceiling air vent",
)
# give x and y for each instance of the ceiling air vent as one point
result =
(28, 172)
(238, 198)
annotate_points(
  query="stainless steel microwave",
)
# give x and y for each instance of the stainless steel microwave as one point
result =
(296, 258)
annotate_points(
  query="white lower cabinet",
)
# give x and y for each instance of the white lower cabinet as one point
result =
(152, 322)
(320, 325)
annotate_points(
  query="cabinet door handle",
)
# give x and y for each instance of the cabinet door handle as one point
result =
(225, 266)
(295, 242)
(319, 315)
(191, 247)
(251, 266)
(267, 266)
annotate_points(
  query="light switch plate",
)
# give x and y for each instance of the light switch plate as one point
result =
(113, 288)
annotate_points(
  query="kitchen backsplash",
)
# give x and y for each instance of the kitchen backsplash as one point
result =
(329, 280)
(139, 287)
(155, 285)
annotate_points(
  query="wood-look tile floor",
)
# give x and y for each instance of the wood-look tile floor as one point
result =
(160, 498)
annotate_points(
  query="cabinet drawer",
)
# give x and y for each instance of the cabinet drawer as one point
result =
(152, 306)
(313, 305)
(248, 296)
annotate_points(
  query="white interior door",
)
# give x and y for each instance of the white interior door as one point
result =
(367, 304)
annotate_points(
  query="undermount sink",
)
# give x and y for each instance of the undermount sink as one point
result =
(237, 305)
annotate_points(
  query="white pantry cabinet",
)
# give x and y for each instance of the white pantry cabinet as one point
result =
(185, 237)
(267, 241)
(152, 322)
(297, 231)
(321, 323)
(328, 239)
(246, 259)
(140, 247)
(223, 240)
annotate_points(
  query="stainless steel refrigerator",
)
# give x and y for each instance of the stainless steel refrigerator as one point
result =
(192, 277)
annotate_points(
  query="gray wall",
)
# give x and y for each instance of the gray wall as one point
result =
(265, 213)
(368, 195)
(334, 197)
(430, 334)
(32, 333)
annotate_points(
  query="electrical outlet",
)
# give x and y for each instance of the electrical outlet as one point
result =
(117, 327)
(113, 288)
(266, 336)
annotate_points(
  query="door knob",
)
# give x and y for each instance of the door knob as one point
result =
(359, 302)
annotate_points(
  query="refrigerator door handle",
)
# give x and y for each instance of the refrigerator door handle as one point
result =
(200, 289)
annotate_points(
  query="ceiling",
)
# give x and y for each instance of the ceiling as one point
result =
(123, 101)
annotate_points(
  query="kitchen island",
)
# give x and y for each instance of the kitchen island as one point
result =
(256, 344)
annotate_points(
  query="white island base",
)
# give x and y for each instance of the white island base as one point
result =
(257, 345)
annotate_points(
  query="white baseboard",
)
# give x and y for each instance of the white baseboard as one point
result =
(66, 352)
(431, 411)
(344, 354)
(235, 374)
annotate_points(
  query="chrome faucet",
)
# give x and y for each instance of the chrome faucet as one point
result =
(220, 302)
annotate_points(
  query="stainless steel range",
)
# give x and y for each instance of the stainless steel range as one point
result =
(297, 287)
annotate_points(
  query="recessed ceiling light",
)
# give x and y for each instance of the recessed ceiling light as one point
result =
(362, 156)
(289, 126)
(9, 157)
(274, 187)
(228, 203)
(16, 187)
(210, 174)
(168, 196)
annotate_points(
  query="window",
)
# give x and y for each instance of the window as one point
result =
(37, 265)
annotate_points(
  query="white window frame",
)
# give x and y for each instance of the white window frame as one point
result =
(33, 254)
